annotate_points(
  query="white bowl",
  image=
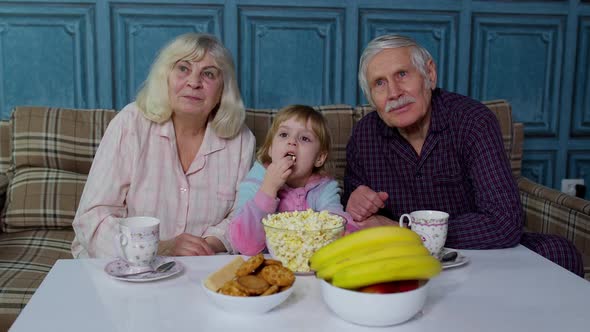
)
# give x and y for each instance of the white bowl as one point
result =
(247, 305)
(372, 309)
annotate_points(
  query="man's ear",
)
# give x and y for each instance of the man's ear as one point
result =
(319, 162)
(431, 73)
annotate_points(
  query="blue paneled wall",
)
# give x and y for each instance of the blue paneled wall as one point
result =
(96, 53)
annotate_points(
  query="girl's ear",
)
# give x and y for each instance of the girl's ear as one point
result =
(321, 159)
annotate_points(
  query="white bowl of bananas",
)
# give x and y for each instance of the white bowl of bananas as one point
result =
(373, 309)
(375, 277)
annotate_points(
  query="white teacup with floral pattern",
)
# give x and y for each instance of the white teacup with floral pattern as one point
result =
(137, 241)
(432, 227)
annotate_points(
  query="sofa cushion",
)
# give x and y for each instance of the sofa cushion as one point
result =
(259, 121)
(363, 110)
(57, 138)
(340, 119)
(42, 198)
(4, 181)
(549, 211)
(5, 153)
(503, 112)
(25, 260)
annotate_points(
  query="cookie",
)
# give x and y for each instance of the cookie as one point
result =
(252, 284)
(270, 261)
(278, 275)
(232, 288)
(250, 265)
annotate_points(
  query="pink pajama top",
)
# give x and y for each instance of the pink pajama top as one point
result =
(137, 172)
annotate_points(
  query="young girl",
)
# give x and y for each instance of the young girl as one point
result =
(288, 176)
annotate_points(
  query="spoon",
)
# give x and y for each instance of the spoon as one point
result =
(449, 256)
(165, 267)
(159, 269)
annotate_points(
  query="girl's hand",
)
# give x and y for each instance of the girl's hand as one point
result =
(276, 175)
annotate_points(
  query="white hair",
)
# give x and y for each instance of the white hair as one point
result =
(153, 100)
(419, 56)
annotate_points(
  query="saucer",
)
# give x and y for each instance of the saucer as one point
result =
(118, 267)
(459, 261)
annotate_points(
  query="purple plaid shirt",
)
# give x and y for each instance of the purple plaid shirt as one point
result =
(463, 170)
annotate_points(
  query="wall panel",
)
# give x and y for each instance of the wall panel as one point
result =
(581, 114)
(539, 166)
(46, 56)
(290, 56)
(519, 58)
(140, 31)
(579, 164)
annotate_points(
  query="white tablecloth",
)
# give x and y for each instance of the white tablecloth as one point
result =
(499, 290)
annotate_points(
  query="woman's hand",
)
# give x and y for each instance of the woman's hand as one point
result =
(276, 175)
(186, 245)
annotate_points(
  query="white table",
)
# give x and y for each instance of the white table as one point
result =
(499, 290)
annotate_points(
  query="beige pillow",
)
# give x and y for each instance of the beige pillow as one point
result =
(5, 142)
(57, 138)
(42, 198)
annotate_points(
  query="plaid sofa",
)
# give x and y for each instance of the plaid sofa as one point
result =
(46, 153)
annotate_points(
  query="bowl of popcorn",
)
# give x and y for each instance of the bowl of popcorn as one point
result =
(293, 237)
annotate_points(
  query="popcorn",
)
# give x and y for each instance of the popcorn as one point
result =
(292, 237)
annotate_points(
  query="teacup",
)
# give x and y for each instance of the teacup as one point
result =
(137, 241)
(432, 227)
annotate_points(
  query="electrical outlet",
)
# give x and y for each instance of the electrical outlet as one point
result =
(568, 186)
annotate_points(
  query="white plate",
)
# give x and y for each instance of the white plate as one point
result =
(119, 266)
(459, 261)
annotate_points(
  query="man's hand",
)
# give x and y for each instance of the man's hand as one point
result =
(186, 245)
(276, 175)
(376, 220)
(364, 202)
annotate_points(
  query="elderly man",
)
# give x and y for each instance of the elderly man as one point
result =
(426, 148)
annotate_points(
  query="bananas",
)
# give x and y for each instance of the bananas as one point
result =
(374, 255)
(369, 237)
(388, 269)
(327, 271)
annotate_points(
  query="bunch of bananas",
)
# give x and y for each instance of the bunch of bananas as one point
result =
(374, 255)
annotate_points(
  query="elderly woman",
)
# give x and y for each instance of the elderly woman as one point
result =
(177, 153)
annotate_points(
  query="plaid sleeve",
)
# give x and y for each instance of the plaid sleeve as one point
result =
(498, 221)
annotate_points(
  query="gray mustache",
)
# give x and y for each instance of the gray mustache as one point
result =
(400, 102)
